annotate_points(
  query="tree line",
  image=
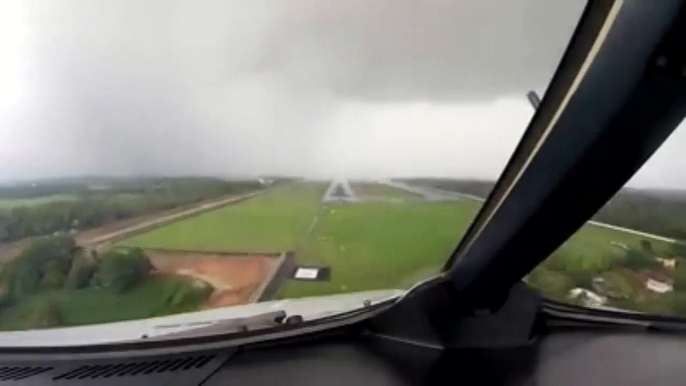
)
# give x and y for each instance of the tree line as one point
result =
(661, 212)
(94, 208)
(52, 264)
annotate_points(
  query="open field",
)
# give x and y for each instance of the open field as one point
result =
(381, 245)
(389, 238)
(235, 278)
(374, 190)
(9, 203)
(591, 248)
(367, 245)
(273, 222)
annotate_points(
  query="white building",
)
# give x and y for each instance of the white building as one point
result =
(265, 182)
(658, 286)
(667, 263)
(588, 297)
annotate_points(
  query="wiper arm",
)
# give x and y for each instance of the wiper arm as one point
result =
(223, 326)
(561, 315)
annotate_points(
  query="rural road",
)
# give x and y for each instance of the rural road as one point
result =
(163, 220)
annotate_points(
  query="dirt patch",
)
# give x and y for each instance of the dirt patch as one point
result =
(8, 251)
(235, 278)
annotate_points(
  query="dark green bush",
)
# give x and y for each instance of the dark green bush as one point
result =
(82, 269)
(190, 295)
(121, 269)
(43, 265)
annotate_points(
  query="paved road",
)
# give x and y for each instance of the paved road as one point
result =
(335, 184)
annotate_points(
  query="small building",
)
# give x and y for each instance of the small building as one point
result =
(265, 181)
(667, 263)
(658, 286)
(658, 280)
(588, 298)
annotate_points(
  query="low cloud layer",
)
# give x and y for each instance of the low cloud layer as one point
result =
(359, 88)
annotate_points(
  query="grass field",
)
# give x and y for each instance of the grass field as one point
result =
(274, 221)
(591, 247)
(368, 245)
(391, 242)
(151, 298)
(381, 245)
(374, 190)
(9, 203)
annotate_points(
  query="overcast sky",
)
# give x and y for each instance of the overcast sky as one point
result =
(356, 88)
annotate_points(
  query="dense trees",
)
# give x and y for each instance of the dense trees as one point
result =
(43, 287)
(53, 263)
(121, 269)
(81, 272)
(680, 278)
(43, 265)
(659, 212)
(35, 284)
(621, 274)
(95, 207)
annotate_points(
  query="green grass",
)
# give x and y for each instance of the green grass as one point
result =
(369, 245)
(381, 245)
(9, 203)
(381, 191)
(274, 221)
(151, 298)
(590, 253)
(590, 248)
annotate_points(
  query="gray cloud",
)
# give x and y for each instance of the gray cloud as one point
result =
(404, 49)
(354, 87)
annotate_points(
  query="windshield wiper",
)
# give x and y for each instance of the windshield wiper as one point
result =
(223, 326)
(565, 315)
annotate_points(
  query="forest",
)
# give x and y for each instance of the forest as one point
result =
(50, 207)
(56, 283)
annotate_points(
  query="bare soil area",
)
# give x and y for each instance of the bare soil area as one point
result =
(235, 278)
(9, 251)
